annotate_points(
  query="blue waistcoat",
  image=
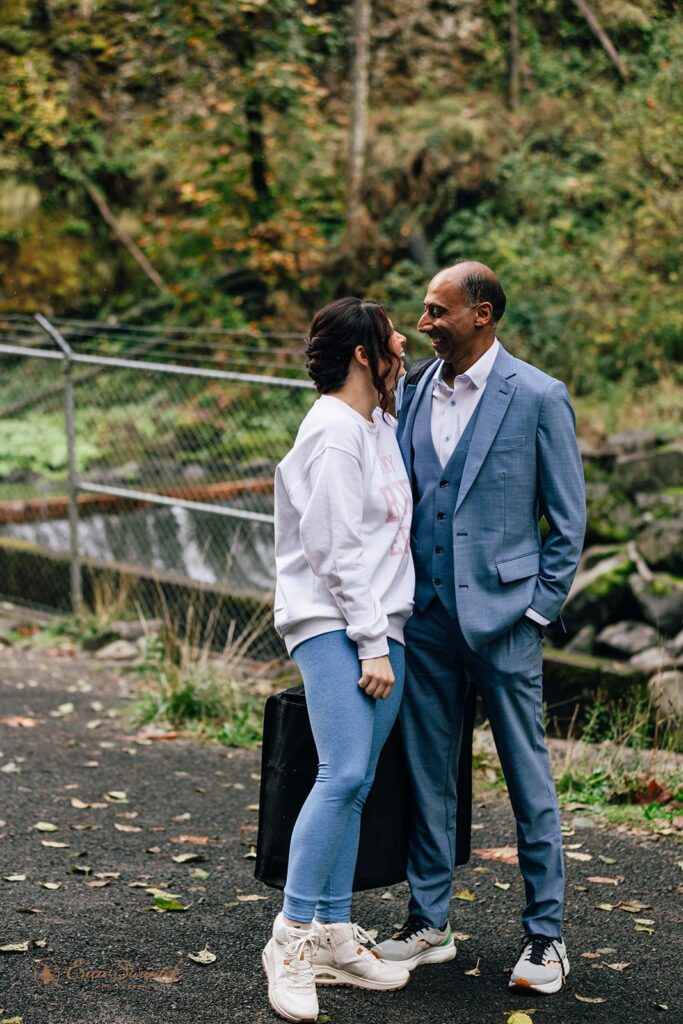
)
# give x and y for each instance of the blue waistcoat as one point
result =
(436, 491)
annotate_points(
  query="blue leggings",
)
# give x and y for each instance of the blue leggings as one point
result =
(350, 730)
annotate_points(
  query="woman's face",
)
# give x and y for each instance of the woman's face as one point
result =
(396, 343)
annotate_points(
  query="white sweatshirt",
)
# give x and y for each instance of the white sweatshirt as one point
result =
(343, 509)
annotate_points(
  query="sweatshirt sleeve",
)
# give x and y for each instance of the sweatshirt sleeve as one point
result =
(331, 539)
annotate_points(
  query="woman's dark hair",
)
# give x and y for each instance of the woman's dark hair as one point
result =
(335, 332)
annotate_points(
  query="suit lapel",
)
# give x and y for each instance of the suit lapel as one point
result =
(411, 401)
(500, 388)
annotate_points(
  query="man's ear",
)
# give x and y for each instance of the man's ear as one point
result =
(483, 315)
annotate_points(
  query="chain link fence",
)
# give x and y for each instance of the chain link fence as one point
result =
(136, 470)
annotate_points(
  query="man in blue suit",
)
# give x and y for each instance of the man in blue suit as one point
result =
(490, 446)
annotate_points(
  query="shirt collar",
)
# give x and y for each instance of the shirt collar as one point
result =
(478, 373)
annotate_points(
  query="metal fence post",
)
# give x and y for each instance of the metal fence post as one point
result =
(70, 415)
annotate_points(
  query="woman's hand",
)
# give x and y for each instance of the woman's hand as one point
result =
(378, 677)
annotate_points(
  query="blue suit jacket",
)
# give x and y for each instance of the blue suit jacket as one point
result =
(523, 462)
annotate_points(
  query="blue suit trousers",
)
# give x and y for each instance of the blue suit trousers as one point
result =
(509, 677)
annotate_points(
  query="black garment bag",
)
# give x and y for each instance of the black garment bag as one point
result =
(288, 770)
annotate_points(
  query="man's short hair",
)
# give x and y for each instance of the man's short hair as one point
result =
(480, 286)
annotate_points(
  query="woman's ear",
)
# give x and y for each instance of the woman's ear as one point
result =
(360, 355)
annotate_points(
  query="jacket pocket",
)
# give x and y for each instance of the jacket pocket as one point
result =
(519, 568)
(503, 443)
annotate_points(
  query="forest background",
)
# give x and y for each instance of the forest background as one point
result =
(212, 138)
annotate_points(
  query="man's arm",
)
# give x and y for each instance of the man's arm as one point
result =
(562, 500)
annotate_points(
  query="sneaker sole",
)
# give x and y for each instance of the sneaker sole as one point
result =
(333, 976)
(547, 989)
(436, 955)
(265, 960)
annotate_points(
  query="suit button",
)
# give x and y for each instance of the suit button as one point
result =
(439, 550)
(440, 515)
(443, 483)
(437, 582)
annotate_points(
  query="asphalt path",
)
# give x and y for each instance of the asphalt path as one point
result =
(125, 805)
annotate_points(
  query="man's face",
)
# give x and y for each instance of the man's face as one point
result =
(447, 321)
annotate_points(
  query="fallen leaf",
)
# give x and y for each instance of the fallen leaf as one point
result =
(62, 710)
(475, 972)
(18, 722)
(11, 1020)
(199, 874)
(588, 999)
(15, 878)
(252, 897)
(604, 906)
(606, 860)
(81, 869)
(118, 796)
(251, 855)
(80, 805)
(385, 896)
(465, 894)
(163, 904)
(504, 854)
(50, 885)
(53, 844)
(645, 928)
(502, 885)
(45, 826)
(198, 840)
(182, 858)
(203, 956)
(601, 880)
(252, 807)
(17, 947)
(618, 967)
(644, 920)
(126, 828)
(161, 893)
(633, 906)
(519, 1018)
(461, 936)
(590, 956)
(95, 883)
(573, 855)
(183, 817)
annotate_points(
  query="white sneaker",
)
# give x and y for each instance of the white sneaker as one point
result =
(542, 965)
(343, 958)
(418, 943)
(287, 963)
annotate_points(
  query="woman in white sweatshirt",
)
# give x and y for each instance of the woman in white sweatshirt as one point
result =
(345, 584)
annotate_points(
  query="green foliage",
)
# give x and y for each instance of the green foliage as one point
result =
(217, 133)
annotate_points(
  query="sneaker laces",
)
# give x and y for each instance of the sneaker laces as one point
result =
(538, 947)
(298, 963)
(361, 939)
(412, 927)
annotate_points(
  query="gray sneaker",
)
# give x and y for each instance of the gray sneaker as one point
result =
(542, 965)
(418, 943)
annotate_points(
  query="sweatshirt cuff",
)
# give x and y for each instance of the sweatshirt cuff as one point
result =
(373, 648)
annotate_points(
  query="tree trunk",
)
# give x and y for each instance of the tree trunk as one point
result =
(605, 40)
(513, 9)
(359, 120)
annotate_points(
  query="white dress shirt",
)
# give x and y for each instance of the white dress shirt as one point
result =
(452, 409)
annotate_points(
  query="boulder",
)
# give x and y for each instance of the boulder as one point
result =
(119, 650)
(661, 544)
(571, 679)
(601, 594)
(666, 691)
(654, 659)
(660, 600)
(610, 515)
(583, 641)
(676, 644)
(628, 441)
(650, 471)
(625, 639)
